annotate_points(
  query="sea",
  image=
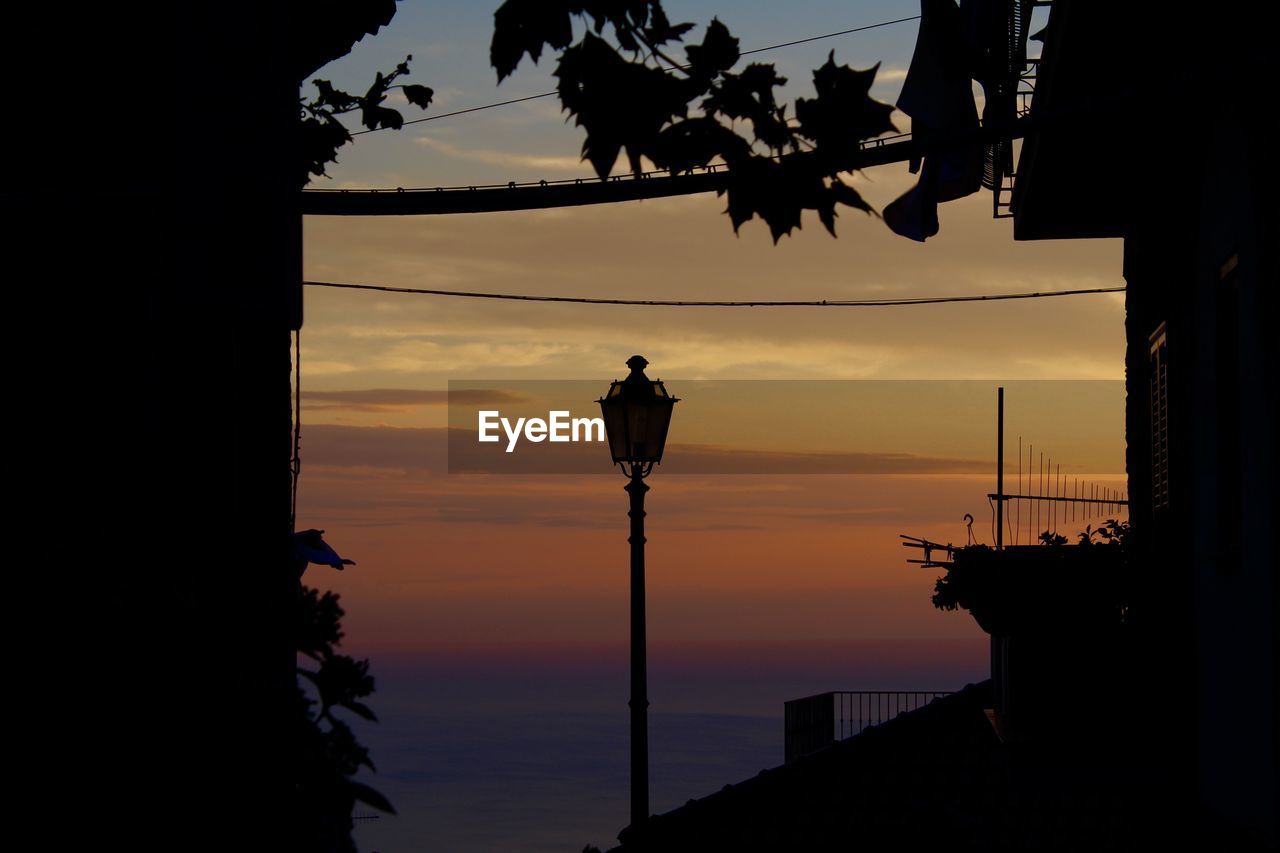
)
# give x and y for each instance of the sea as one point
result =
(483, 756)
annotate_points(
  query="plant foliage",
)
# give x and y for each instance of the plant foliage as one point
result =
(1030, 584)
(322, 131)
(1111, 533)
(619, 82)
(328, 755)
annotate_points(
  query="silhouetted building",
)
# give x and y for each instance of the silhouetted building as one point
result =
(1153, 132)
(158, 250)
(934, 778)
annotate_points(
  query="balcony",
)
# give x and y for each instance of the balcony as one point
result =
(818, 721)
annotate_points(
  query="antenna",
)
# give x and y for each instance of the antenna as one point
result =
(1090, 500)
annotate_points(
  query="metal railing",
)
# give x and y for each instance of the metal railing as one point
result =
(820, 720)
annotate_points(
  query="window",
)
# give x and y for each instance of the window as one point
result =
(1159, 373)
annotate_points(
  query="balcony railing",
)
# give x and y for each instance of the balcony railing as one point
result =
(817, 721)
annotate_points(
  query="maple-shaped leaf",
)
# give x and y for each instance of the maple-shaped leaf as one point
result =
(718, 51)
(760, 187)
(843, 113)
(779, 190)
(419, 96)
(526, 26)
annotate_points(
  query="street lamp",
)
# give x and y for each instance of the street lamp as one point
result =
(637, 413)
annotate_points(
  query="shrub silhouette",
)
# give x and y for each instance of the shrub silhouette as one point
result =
(328, 755)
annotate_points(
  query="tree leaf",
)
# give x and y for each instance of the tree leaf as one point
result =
(661, 30)
(526, 26)
(845, 194)
(377, 90)
(718, 51)
(843, 113)
(827, 215)
(419, 96)
(373, 117)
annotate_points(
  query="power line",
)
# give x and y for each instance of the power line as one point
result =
(741, 53)
(829, 35)
(461, 112)
(716, 303)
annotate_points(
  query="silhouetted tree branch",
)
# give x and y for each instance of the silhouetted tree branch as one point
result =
(323, 134)
(630, 96)
(329, 29)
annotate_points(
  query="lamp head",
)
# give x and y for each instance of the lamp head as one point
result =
(637, 414)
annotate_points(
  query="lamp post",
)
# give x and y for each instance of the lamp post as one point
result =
(637, 413)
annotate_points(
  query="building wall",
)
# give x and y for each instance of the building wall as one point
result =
(1159, 704)
(1200, 266)
(1232, 483)
(153, 247)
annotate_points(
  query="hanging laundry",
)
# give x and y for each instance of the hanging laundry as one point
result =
(938, 95)
(914, 214)
(309, 547)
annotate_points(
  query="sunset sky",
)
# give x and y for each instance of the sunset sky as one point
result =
(800, 573)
